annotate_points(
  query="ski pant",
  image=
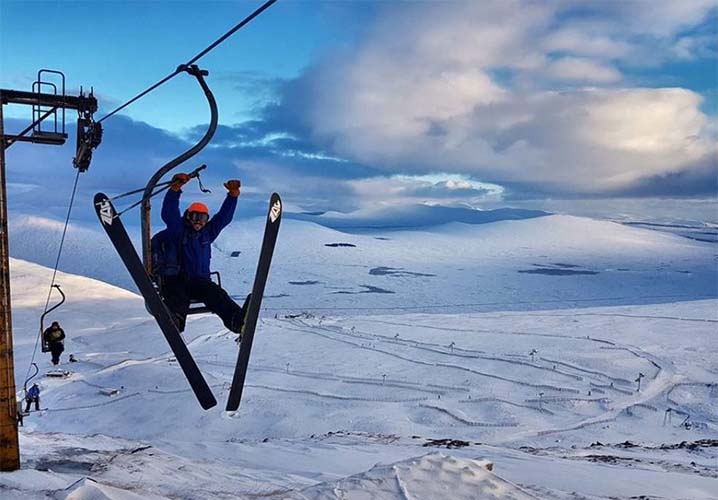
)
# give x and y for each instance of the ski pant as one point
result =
(178, 292)
(56, 348)
(29, 401)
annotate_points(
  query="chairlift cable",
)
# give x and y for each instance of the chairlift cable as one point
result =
(179, 69)
(62, 238)
(57, 263)
(231, 32)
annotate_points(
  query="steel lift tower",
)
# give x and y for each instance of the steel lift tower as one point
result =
(49, 103)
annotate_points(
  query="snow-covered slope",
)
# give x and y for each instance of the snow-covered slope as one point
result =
(344, 407)
(541, 263)
(388, 366)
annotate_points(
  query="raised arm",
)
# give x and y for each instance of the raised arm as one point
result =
(170, 205)
(221, 219)
(226, 212)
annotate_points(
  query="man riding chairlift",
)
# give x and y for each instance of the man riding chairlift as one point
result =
(189, 237)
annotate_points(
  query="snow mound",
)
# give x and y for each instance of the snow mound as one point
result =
(89, 489)
(428, 477)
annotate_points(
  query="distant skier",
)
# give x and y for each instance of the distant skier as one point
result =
(190, 238)
(54, 338)
(32, 396)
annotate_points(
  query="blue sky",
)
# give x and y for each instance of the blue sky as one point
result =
(351, 105)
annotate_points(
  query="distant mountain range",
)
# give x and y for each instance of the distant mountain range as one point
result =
(412, 216)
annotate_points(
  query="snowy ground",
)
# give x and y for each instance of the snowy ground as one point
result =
(397, 368)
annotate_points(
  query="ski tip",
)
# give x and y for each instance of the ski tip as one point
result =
(275, 208)
(100, 197)
(105, 210)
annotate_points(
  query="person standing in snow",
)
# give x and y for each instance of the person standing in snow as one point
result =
(191, 236)
(54, 338)
(32, 396)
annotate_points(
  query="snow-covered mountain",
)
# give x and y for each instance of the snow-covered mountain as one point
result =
(412, 217)
(390, 365)
(537, 263)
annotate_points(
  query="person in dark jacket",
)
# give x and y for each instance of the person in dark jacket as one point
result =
(54, 338)
(33, 396)
(192, 235)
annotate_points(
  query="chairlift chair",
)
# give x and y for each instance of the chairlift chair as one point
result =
(145, 217)
(45, 344)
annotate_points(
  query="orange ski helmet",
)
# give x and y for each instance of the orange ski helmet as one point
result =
(198, 207)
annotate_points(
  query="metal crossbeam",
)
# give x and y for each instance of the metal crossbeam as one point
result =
(88, 103)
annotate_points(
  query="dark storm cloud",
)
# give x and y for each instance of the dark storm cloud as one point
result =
(701, 180)
(264, 157)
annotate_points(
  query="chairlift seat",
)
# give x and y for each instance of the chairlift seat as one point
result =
(199, 309)
(194, 308)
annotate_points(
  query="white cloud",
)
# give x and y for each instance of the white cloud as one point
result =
(689, 48)
(576, 69)
(425, 93)
(661, 17)
(444, 189)
(591, 140)
(584, 43)
(603, 139)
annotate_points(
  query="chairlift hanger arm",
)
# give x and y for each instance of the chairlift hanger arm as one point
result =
(42, 318)
(28, 379)
(62, 301)
(145, 221)
(214, 118)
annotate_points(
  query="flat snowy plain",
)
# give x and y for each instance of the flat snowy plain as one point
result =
(390, 365)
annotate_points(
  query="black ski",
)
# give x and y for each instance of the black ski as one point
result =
(118, 235)
(274, 217)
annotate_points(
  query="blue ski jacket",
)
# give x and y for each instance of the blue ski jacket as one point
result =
(195, 246)
(33, 392)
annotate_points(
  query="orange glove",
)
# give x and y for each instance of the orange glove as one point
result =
(179, 180)
(233, 186)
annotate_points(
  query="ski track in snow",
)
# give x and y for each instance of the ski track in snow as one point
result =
(663, 378)
(417, 345)
(446, 365)
(660, 381)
